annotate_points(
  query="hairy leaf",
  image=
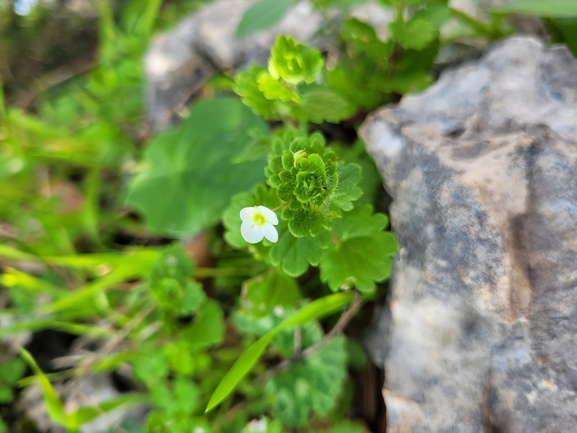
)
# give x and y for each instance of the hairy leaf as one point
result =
(247, 87)
(263, 293)
(294, 62)
(360, 254)
(347, 190)
(294, 254)
(318, 103)
(273, 89)
(311, 385)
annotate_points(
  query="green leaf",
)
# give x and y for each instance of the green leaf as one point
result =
(260, 295)
(208, 327)
(263, 15)
(238, 371)
(549, 8)
(311, 385)
(257, 148)
(436, 15)
(186, 395)
(54, 405)
(173, 263)
(180, 357)
(415, 34)
(312, 311)
(273, 89)
(251, 326)
(171, 284)
(88, 413)
(370, 183)
(191, 177)
(167, 422)
(6, 395)
(362, 39)
(360, 255)
(319, 103)
(283, 341)
(310, 221)
(347, 190)
(294, 62)
(151, 366)
(311, 333)
(356, 355)
(294, 254)
(12, 370)
(247, 87)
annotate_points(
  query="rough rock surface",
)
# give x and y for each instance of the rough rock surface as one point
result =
(481, 329)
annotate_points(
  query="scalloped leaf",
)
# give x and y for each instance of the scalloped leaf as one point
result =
(293, 254)
(294, 62)
(360, 254)
(191, 177)
(309, 386)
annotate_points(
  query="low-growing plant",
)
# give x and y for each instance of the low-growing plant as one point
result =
(268, 178)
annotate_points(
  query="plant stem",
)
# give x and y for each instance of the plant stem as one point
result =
(479, 26)
(222, 272)
(280, 206)
(339, 327)
(298, 346)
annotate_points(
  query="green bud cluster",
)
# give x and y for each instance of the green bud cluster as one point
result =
(287, 90)
(294, 63)
(305, 174)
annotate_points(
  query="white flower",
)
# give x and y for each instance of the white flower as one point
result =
(258, 222)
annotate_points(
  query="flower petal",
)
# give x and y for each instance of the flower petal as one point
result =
(269, 215)
(270, 232)
(247, 213)
(251, 233)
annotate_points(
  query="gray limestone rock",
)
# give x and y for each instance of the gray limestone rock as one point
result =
(179, 62)
(481, 329)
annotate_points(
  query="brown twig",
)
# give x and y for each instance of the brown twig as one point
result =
(339, 327)
(298, 342)
(110, 345)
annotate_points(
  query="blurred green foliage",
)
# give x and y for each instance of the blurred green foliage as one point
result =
(130, 241)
